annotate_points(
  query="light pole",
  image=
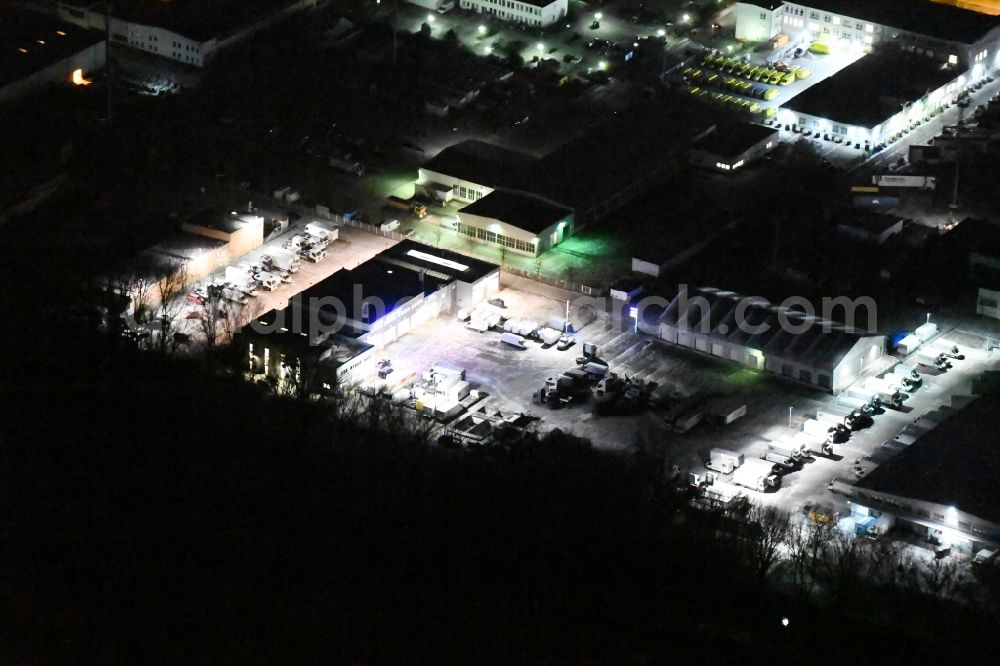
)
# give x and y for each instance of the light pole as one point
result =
(789, 417)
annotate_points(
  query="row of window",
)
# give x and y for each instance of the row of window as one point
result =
(966, 525)
(469, 193)
(519, 6)
(495, 238)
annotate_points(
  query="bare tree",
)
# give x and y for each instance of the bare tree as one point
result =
(765, 532)
(941, 577)
(169, 292)
(843, 563)
(806, 544)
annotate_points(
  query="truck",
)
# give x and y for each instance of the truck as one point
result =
(513, 339)
(268, 281)
(409, 205)
(784, 462)
(824, 432)
(812, 445)
(319, 236)
(240, 278)
(839, 415)
(345, 162)
(855, 403)
(285, 261)
(909, 379)
(863, 393)
(235, 295)
(934, 359)
(888, 393)
(787, 448)
(756, 474)
(313, 254)
(724, 460)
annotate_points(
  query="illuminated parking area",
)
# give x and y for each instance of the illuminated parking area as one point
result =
(851, 106)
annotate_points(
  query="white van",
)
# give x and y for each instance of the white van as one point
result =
(513, 339)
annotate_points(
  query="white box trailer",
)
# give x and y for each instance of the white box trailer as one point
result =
(908, 345)
(926, 331)
(756, 474)
(721, 493)
(285, 261)
(836, 415)
(862, 393)
(812, 445)
(787, 448)
(724, 460)
(820, 431)
(886, 391)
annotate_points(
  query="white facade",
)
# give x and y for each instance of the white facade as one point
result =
(464, 191)
(806, 24)
(516, 11)
(164, 42)
(857, 134)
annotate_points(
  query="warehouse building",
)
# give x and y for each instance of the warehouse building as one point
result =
(39, 50)
(939, 32)
(204, 244)
(943, 485)
(469, 170)
(732, 146)
(187, 31)
(762, 336)
(310, 363)
(532, 13)
(874, 98)
(520, 222)
(384, 298)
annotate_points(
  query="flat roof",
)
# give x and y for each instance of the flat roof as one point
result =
(955, 464)
(522, 210)
(481, 162)
(220, 220)
(44, 39)
(734, 139)
(922, 17)
(333, 348)
(614, 154)
(417, 256)
(196, 19)
(873, 88)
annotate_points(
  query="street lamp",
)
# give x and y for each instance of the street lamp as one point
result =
(685, 18)
(602, 65)
(482, 30)
(430, 18)
(488, 50)
(598, 16)
(541, 47)
(661, 33)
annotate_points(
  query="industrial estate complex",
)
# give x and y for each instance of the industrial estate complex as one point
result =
(750, 247)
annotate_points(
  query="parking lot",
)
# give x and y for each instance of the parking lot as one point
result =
(351, 248)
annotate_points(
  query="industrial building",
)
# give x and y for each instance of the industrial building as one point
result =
(533, 13)
(646, 144)
(762, 336)
(270, 348)
(732, 146)
(39, 50)
(942, 486)
(874, 98)
(384, 298)
(520, 222)
(469, 170)
(939, 32)
(204, 244)
(187, 31)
